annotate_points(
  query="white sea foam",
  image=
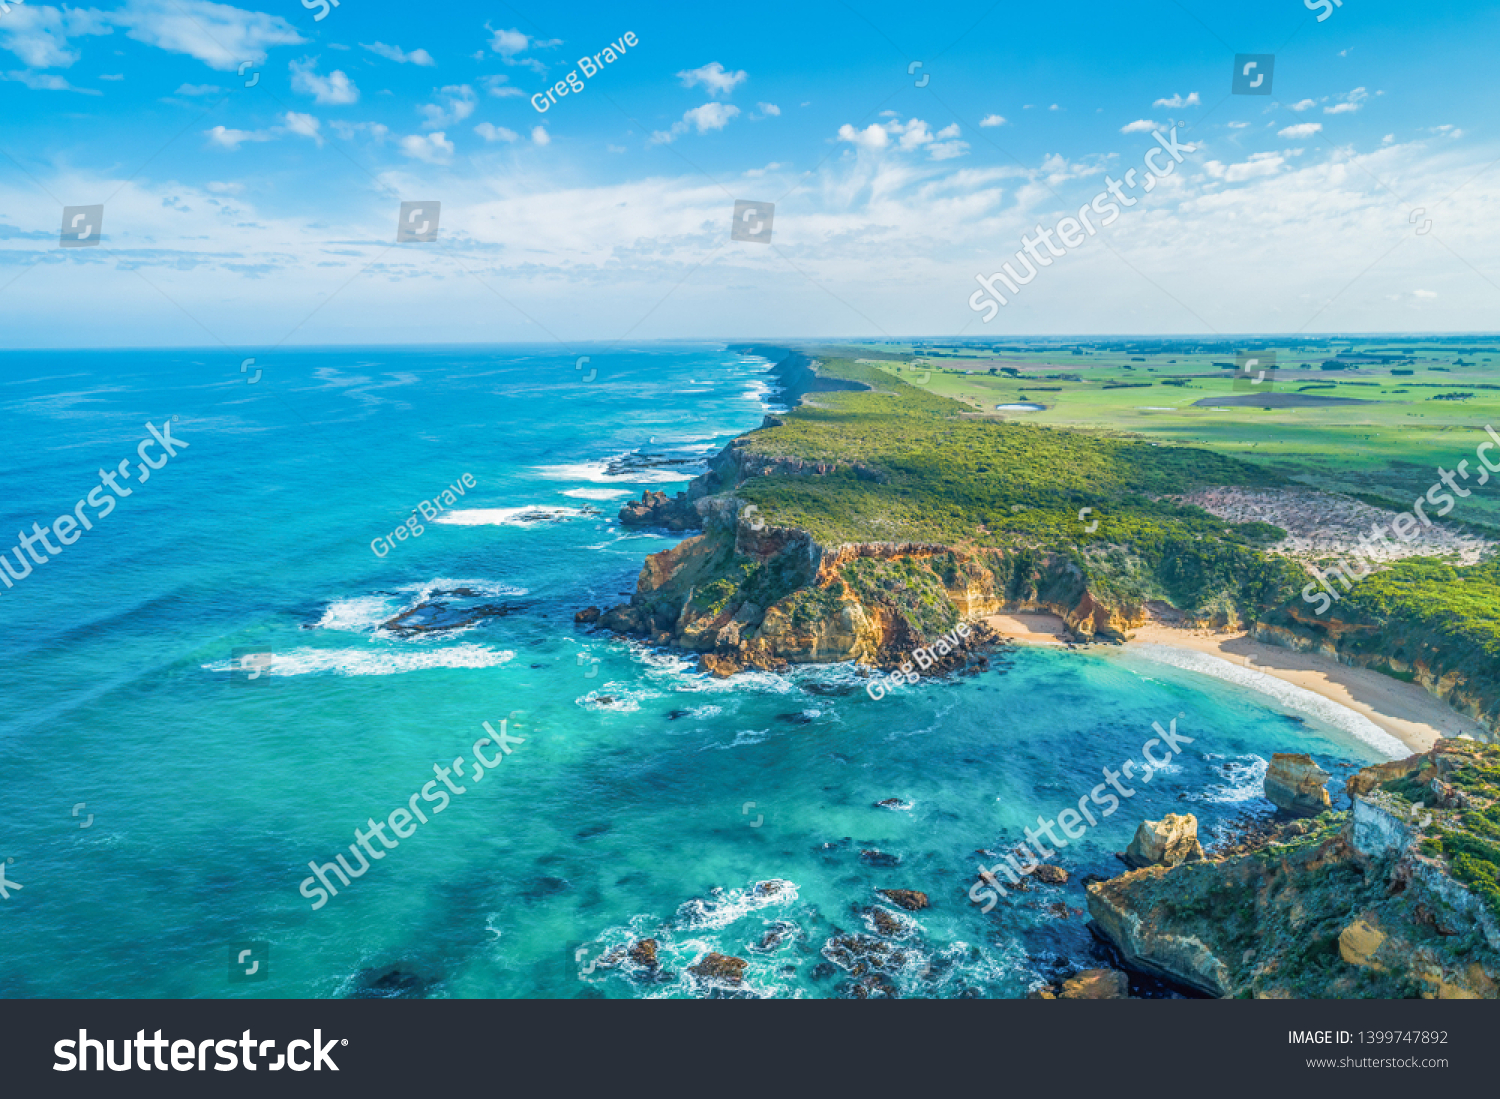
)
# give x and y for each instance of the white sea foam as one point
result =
(724, 907)
(527, 516)
(490, 588)
(596, 493)
(598, 473)
(361, 614)
(1244, 780)
(1288, 695)
(743, 738)
(374, 661)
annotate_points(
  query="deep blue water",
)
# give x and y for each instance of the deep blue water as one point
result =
(646, 800)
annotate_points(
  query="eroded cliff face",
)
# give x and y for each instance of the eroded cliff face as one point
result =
(1359, 904)
(748, 594)
(1441, 667)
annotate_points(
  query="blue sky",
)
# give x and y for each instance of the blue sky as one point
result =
(250, 216)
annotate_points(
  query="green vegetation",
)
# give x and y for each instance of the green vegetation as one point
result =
(911, 465)
(1473, 849)
(1419, 595)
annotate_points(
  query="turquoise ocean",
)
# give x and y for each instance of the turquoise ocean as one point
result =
(161, 794)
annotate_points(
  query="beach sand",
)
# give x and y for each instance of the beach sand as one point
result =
(1404, 710)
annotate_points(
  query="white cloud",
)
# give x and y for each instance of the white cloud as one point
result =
(713, 77)
(540, 136)
(333, 90)
(1350, 104)
(1301, 129)
(45, 82)
(992, 120)
(304, 124)
(111, 76)
(398, 55)
(1238, 125)
(512, 43)
(767, 110)
(232, 139)
(490, 132)
(1140, 125)
(498, 86)
(350, 130)
(1177, 101)
(219, 35)
(434, 148)
(872, 136)
(1302, 105)
(1425, 293)
(710, 116)
(1259, 164)
(198, 89)
(910, 135)
(457, 103)
(39, 35)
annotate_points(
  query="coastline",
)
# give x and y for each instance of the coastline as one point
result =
(1402, 710)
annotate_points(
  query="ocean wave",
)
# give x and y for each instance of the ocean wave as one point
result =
(353, 662)
(1289, 695)
(723, 907)
(596, 493)
(742, 739)
(361, 614)
(598, 473)
(527, 516)
(1244, 780)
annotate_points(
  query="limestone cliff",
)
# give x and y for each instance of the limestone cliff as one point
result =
(1393, 899)
(1455, 673)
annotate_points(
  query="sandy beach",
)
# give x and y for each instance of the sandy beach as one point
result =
(1404, 710)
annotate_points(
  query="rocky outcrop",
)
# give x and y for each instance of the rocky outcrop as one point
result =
(909, 899)
(1096, 984)
(656, 509)
(1165, 842)
(720, 967)
(1296, 785)
(1395, 898)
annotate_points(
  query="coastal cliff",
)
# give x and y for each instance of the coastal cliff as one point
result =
(1396, 898)
(875, 516)
(1447, 654)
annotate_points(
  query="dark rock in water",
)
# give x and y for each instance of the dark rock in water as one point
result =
(639, 460)
(876, 986)
(887, 923)
(591, 831)
(1052, 875)
(644, 953)
(675, 714)
(655, 509)
(861, 954)
(822, 971)
(443, 611)
(390, 983)
(879, 858)
(834, 845)
(830, 690)
(546, 887)
(605, 700)
(893, 803)
(587, 616)
(795, 719)
(909, 899)
(778, 933)
(720, 967)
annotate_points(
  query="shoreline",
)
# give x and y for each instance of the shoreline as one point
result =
(1402, 710)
